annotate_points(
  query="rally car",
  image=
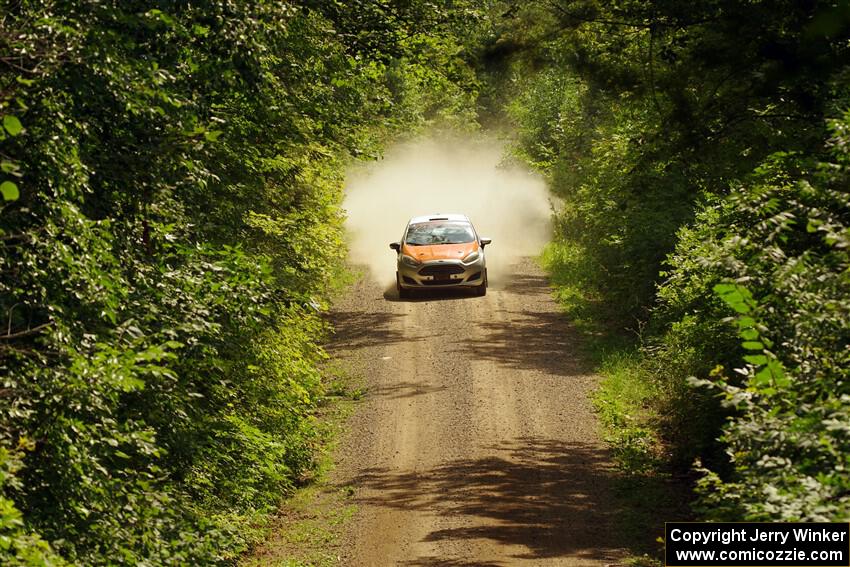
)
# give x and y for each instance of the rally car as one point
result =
(440, 251)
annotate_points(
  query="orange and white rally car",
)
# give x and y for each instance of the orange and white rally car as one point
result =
(440, 251)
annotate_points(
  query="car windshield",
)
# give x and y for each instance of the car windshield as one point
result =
(430, 233)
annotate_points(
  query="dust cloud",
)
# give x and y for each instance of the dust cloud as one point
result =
(504, 201)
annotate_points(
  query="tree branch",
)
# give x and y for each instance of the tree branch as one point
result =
(26, 333)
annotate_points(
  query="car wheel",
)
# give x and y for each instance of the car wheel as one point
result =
(482, 289)
(402, 293)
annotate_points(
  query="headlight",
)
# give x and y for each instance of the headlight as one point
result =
(410, 261)
(471, 257)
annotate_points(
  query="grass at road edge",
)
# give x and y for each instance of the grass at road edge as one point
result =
(305, 531)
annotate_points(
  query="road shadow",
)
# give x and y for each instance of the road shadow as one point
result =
(527, 284)
(537, 340)
(534, 338)
(403, 390)
(550, 497)
(360, 329)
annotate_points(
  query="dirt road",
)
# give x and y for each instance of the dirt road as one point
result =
(475, 443)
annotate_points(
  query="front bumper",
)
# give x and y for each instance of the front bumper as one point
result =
(442, 274)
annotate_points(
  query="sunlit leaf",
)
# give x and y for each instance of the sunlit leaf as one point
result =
(12, 125)
(9, 191)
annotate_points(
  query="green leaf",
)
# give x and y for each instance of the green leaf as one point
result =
(749, 335)
(753, 345)
(777, 371)
(723, 289)
(757, 359)
(12, 125)
(737, 297)
(764, 376)
(10, 167)
(10, 191)
(163, 17)
(740, 307)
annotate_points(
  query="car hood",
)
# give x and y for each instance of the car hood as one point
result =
(440, 251)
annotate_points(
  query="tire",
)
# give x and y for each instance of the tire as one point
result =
(481, 290)
(402, 293)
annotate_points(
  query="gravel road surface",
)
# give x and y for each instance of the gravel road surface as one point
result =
(475, 442)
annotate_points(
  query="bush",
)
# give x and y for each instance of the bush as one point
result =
(685, 143)
(171, 180)
(781, 241)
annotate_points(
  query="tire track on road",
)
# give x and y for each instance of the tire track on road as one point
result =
(475, 443)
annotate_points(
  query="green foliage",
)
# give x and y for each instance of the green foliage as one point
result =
(171, 180)
(18, 547)
(703, 212)
(788, 441)
(637, 111)
(623, 404)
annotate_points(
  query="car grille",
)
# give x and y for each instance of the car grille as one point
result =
(441, 282)
(440, 269)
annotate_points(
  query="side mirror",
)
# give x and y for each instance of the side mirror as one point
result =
(485, 241)
(395, 246)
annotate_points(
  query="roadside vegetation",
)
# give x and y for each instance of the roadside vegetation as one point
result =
(171, 180)
(700, 151)
(305, 531)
